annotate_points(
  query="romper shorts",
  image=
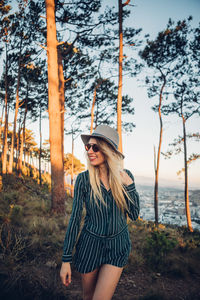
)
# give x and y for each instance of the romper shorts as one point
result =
(93, 250)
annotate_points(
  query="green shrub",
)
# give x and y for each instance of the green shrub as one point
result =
(11, 197)
(43, 226)
(176, 266)
(17, 215)
(158, 245)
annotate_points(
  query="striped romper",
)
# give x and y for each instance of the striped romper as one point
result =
(104, 238)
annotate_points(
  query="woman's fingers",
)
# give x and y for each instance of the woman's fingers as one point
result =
(126, 178)
(65, 274)
(65, 278)
(68, 281)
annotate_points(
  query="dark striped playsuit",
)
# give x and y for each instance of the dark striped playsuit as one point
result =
(104, 238)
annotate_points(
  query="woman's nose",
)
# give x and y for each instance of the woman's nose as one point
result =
(90, 150)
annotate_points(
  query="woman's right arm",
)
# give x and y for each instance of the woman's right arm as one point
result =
(75, 220)
(72, 231)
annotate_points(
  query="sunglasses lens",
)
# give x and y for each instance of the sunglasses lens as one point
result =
(87, 147)
(95, 148)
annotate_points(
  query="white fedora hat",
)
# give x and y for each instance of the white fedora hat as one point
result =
(106, 133)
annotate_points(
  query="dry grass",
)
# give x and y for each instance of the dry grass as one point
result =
(31, 242)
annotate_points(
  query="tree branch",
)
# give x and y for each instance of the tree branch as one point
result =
(126, 3)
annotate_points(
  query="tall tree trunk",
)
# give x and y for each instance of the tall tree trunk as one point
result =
(29, 164)
(159, 151)
(92, 110)
(57, 169)
(1, 127)
(187, 206)
(72, 170)
(119, 98)
(10, 166)
(18, 144)
(97, 114)
(24, 162)
(40, 152)
(20, 158)
(5, 135)
(61, 97)
(93, 103)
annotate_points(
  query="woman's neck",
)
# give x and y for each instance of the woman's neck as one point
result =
(103, 170)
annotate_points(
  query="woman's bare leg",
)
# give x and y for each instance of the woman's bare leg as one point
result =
(89, 281)
(107, 281)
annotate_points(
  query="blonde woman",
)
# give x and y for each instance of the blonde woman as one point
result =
(109, 195)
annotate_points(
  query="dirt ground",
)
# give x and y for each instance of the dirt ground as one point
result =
(43, 283)
(143, 285)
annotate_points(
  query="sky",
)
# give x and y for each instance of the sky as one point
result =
(153, 16)
(138, 146)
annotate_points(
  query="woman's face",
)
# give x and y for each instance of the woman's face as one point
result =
(96, 158)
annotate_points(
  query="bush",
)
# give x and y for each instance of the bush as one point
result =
(17, 214)
(13, 244)
(158, 245)
(11, 197)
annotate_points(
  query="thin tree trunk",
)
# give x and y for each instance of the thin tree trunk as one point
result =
(57, 169)
(158, 155)
(92, 110)
(61, 97)
(187, 205)
(100, 81)
(24, 162)
(29, 163)
(18, 144)
(40, 152)
(10, 166)
(119, 98)
(72, 170)
(97, 111)
(1, 127)
(22, 138)
(5, 135)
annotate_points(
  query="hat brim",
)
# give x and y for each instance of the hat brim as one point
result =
(86, 137)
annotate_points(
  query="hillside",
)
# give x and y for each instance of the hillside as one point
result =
(164, 262)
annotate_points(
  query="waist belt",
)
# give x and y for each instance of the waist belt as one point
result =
(107, 237)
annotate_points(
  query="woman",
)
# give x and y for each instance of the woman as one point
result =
(109, 195)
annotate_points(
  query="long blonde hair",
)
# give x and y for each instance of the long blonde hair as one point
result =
(115, 166)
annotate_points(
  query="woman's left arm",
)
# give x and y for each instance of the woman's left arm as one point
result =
(133, 203)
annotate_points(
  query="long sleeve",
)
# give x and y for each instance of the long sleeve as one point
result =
(74, 222)
(134, 203)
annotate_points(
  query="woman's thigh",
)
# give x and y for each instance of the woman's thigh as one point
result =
(89, 281)
(108, 278)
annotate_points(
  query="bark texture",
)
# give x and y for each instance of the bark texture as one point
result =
(56, 155)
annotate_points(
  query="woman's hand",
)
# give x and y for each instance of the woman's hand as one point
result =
(65, 273)
(126, 179)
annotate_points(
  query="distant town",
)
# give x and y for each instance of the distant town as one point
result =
(171, 206)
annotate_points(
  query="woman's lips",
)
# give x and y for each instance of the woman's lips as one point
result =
(91, 158)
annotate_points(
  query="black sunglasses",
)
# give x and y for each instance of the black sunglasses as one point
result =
(95, 148)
